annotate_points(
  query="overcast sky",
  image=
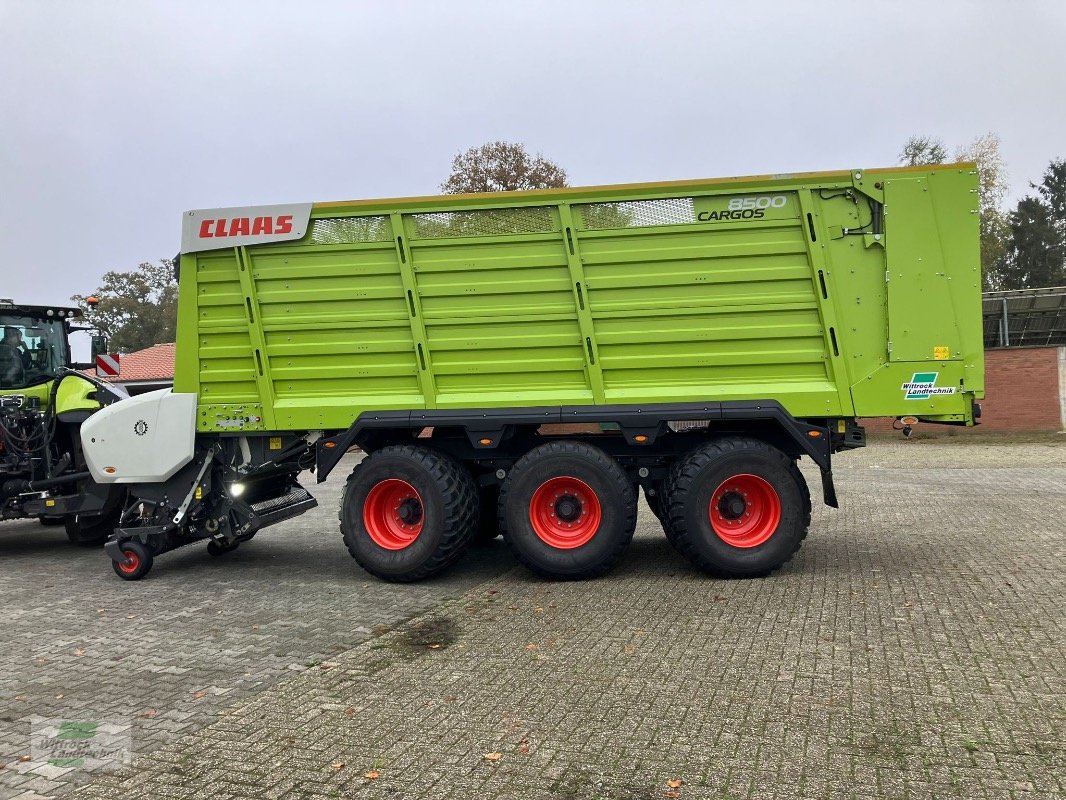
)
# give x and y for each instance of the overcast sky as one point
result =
(117, 116)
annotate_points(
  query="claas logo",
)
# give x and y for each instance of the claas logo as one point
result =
(245, 226)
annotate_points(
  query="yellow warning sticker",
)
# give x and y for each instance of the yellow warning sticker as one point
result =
(941, 353)
(275, 442)
(841, 426)
(49, 503)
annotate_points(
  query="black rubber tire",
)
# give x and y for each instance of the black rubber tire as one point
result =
(92, 531)
(488, 527)
(688, 490)
(449, 504)
(49, 522)
(143, 556)
(602, 474)
(216, 549)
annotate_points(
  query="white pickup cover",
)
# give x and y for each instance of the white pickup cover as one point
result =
(145, 439)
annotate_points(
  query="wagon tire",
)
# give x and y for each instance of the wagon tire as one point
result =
(136, 563)
(408, 512)
(736, 508)
(568, 510)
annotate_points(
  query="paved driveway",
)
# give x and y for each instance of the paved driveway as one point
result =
(913, 649)
(195, 636)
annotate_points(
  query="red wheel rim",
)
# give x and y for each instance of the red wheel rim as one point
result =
(131, 564)
(745, 510)
(393, 514)
(565, 512)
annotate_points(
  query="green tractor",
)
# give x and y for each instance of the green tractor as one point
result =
(43, 402)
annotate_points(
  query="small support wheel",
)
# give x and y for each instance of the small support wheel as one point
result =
(137, 561)
(217, 549)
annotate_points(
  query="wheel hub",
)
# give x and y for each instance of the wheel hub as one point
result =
(745, 510)
(393, 514)
(409, 512)
(567, 508)
(565, 512)
(732, 505)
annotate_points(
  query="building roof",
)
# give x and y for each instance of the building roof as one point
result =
(1025, 317)
(155, 363)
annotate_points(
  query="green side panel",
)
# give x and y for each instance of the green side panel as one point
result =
(73, 394)
(499, 313)
(720, 309)
(931, 289)
(771, 288)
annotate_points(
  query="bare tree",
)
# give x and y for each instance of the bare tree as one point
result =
(991, 192)
(502, 167)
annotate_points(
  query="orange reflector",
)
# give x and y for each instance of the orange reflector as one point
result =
(909, 420)
(329, 445)
(110, 470)
(485, 441)
(640, 438)
(814, 434)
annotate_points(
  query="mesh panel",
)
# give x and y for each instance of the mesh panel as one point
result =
(351, 230)
(489, 222)
(637, 213)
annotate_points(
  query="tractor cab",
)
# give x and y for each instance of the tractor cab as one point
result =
(34, 344)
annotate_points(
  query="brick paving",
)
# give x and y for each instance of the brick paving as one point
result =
(195, 636)
(914, 648)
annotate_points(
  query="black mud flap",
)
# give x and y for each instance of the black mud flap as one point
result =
(829, 492)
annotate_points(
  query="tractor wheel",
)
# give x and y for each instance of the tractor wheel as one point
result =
(137, 560)
(91, 530)
(568, 510)
(736, 508)
(408, 512)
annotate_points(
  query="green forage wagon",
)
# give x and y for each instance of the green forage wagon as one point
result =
(705, 335)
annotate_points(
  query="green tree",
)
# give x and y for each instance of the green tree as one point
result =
(138, 308)
(502, 167)
(1037, 251)
(919, 150)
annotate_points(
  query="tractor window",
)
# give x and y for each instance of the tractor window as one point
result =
(31, 350)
